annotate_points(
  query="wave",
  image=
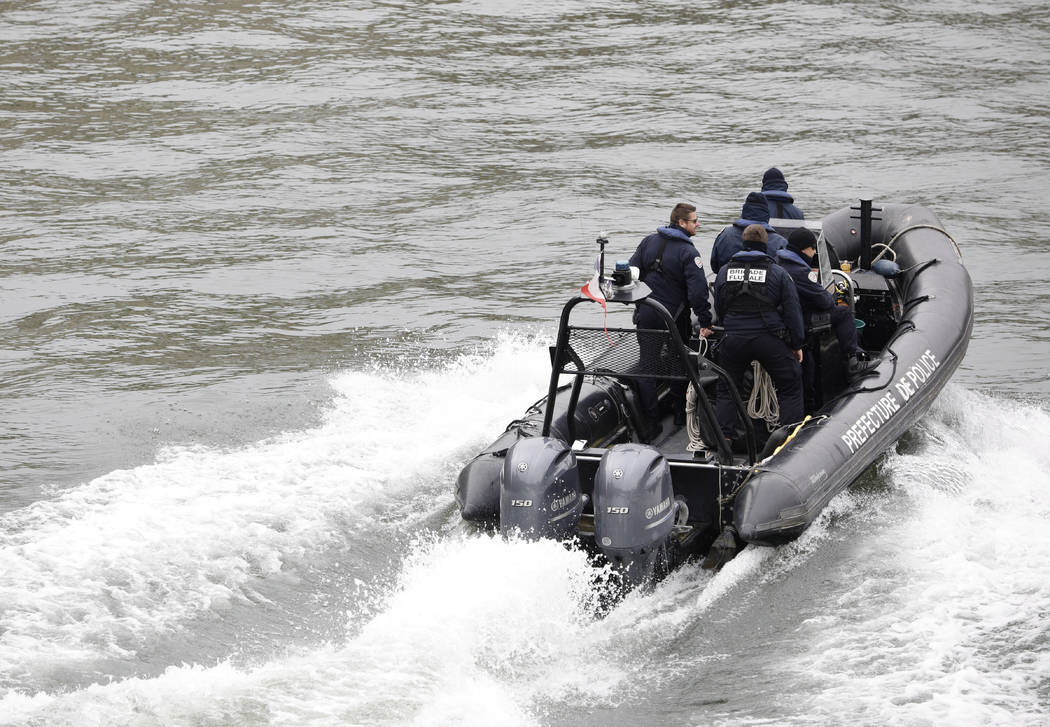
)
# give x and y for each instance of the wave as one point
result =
(916, 597)
(98, 572)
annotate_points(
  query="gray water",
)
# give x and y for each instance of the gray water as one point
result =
(272, 273)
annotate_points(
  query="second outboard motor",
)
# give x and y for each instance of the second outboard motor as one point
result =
(634, 512)
(540, 495)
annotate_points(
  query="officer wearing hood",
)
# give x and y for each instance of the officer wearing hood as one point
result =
(757, 304)
(796, 258)
(671, 266)
(781, 204)
(730, 240)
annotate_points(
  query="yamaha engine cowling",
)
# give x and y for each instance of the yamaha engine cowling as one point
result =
(540, 495)
(634, 512)
(605, 411)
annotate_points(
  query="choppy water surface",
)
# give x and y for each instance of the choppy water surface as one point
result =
(271, 273)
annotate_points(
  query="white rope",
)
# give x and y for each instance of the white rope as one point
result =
(886, 250)
(692, 426)
(889, 245)
(763, 402)
(761, 405)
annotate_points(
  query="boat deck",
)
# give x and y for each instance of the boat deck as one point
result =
(673, 444)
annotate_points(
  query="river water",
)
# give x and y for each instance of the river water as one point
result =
(272, 272)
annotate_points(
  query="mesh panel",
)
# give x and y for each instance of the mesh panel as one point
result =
(624, 352)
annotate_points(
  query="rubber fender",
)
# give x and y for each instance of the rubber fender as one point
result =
(887, 268)
(477, 487)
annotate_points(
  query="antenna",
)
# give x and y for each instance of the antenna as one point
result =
(866, 216)
(603, 240)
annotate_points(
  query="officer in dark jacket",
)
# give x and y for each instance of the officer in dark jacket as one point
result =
(755, 211)
(671, 266)
(797, 259)
(781, 204)
(757, 304)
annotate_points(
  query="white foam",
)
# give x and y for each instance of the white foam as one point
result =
(941, 620)
(477, 631)
(101, 569)
(933, 586)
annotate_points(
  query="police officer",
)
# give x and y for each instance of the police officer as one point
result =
(757, 304)
(671, 266)
(797, 259)
(755, 211)
(780, 203)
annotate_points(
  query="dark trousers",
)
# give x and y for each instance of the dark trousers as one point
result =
(845, 327)
(735, 354)
(650, 348)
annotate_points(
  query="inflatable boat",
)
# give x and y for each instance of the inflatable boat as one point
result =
(583, 466)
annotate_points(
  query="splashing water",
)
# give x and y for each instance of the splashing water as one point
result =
(916, 597)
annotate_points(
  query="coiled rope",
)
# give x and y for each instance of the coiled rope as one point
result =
(763, 401)
(762, 404)
(692, 427)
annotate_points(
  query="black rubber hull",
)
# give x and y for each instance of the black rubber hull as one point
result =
(783, 497)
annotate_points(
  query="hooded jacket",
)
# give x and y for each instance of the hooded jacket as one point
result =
(680, 280)
(781, 205)
(731, 239)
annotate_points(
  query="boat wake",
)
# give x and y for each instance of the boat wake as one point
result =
(95, 574)
(314, 578)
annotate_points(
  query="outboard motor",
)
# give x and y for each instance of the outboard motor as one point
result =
(540, 495)
(605, 412)
(477, 487)
(635, 511)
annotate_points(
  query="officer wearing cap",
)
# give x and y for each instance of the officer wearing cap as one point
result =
(755, 211)
(757, 304)
(797, 259)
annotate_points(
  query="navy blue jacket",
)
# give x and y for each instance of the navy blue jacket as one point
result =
(811, 294)
(681, 280)
(781, 290)
(781, 204)
(730, 241)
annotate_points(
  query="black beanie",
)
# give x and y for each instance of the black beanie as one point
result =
(800, 239)
(774, 179)
(755, 208)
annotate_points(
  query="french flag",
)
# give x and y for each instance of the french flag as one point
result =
(593, 290)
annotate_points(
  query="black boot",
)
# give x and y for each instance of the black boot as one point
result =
(860, 364)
